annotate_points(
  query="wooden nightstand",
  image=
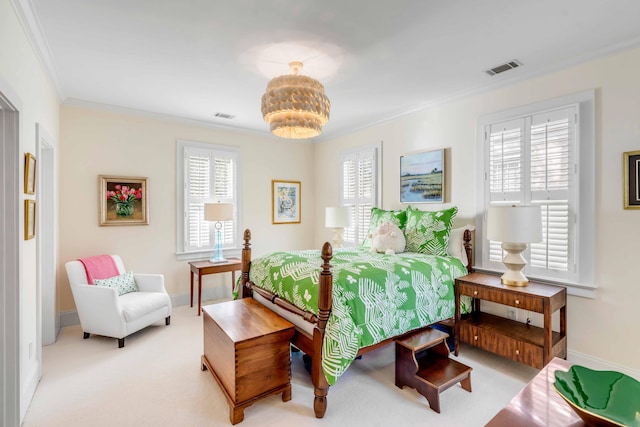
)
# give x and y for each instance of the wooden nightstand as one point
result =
(518, 341)
(246, 349)
(202, 268)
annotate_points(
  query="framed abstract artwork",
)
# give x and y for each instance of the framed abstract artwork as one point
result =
(285, 197)
(124, 200)
(29, 174)
(631, 165)
(422, 177)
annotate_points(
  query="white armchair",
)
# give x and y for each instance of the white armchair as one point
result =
(103, 312)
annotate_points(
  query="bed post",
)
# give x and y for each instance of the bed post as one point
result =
(246, 264)
(320, 384)
(467, 248)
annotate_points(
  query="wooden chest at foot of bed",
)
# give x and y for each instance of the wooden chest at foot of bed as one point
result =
(246, 348)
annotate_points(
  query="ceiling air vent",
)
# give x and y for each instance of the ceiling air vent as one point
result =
(223, 116)
(504, 67)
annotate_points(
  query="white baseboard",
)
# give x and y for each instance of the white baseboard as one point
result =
(70, 318)
(599, 364)
(29, 389)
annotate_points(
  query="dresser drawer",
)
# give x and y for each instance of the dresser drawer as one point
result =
(502, 296)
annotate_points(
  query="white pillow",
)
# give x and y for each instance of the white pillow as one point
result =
(456, 243)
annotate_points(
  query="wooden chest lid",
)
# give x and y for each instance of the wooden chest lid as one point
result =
(245, 319)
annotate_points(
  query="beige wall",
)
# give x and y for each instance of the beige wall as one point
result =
(604, 327)
(96, 142)
(23, 80)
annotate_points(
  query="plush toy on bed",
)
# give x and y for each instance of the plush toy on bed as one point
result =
(388, 239)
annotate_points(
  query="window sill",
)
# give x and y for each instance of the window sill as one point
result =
(200, 255)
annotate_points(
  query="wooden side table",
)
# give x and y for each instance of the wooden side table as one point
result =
(518, 341)
(246, 349)
(202, 268)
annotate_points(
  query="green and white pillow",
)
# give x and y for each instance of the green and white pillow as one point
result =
(428, 232)
(123, 283)
(378, 216)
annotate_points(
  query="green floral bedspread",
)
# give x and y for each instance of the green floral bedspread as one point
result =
(375, 296)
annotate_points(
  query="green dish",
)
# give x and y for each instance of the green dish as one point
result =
(605, 398)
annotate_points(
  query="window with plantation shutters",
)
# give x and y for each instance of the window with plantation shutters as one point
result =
(360, 190)
(529, 161)
(534, 159)
(209, 175)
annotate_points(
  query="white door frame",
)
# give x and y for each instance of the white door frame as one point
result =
(11, 249)
(49, 320)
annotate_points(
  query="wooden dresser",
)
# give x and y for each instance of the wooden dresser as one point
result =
(246, 348)
(521, 342)
(538, 404)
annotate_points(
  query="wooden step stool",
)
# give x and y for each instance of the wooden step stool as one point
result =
(246, 349)
(422, 362)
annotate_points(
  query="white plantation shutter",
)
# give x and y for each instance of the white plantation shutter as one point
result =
(360, 184)
(505, 170)
(552, 142)
(209, 176)
(530, 161)
(198, 186)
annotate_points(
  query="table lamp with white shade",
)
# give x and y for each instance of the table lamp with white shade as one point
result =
(514, 226)
(218, 212)
(338, 218)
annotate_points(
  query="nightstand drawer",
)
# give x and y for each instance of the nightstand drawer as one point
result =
(502, 296)
(498, 343)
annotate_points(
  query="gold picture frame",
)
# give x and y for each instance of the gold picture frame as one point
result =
(29, 219)
(124, 200)
(631, 166)
(29, 174)
(286, 199)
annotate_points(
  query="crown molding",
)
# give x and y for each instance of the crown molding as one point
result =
(521, 76)
(74, 102)
(31, 25)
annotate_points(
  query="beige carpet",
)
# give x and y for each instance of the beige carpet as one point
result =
(155, 380)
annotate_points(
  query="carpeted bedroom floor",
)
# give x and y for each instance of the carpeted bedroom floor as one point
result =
(155, 380)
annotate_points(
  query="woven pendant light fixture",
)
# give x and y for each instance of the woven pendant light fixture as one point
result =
(295, 106)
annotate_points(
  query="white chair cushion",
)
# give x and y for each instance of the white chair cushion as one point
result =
(137, 304)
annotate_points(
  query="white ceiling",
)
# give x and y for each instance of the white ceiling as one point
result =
(377, 59)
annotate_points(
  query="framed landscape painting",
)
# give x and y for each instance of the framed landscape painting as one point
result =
(422, 177)
(285, 197)
(123, 200)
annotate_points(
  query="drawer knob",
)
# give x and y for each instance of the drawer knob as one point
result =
(517, 301)
(475, 338)
(475, 292)
(517, 351)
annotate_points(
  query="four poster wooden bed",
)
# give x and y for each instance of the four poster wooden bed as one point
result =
(310, 339)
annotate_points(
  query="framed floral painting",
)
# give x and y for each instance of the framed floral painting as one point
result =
(285, 202)
(124, 200)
